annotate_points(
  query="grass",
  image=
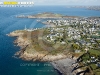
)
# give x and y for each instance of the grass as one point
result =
(97, 71)
(93, 66)
(94, 52)
(43, 46)
(85, 57)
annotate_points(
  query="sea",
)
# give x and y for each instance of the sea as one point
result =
(10, 65)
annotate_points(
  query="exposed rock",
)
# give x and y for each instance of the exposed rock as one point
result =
(23, 43)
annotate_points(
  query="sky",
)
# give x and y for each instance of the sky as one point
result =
(62, 2)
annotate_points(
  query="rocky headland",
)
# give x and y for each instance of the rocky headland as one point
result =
(28, 52)
(60, 61)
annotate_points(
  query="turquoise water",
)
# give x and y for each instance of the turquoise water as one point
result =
(8, 23)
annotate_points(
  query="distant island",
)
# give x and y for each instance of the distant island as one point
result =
(73, 42)
(97, 8)
(45, 15)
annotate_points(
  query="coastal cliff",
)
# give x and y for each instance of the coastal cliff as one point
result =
(29, 53)
(61, 62)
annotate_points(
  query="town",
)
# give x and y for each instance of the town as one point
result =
(83, 35)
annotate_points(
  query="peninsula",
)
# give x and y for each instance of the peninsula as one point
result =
(35, 46)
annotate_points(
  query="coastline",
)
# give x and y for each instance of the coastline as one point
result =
(64, 66)
(60, 62)
(36, 56)
(67, 66)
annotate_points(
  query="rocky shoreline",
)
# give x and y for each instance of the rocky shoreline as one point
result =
(67, 66)
(64, 66)
(62, 63)
(23, 43)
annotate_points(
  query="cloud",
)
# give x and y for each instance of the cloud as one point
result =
(62, 2)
